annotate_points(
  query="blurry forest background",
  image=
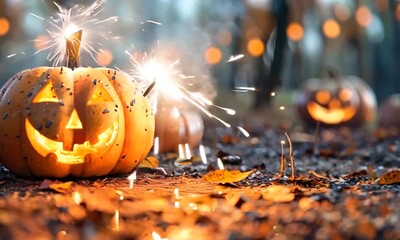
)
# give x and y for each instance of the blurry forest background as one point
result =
(284, 42)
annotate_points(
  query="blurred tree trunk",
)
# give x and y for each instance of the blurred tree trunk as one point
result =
(268, 82)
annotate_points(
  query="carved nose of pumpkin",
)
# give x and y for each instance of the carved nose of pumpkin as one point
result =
(74, 122)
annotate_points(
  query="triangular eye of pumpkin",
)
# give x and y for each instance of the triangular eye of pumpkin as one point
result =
(100, 95)
(46, 94)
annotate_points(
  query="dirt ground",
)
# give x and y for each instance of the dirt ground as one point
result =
(335, 194)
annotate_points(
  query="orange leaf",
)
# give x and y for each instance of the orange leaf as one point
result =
(390, 177)
(149, 162)
(61, 187)
(226, 176)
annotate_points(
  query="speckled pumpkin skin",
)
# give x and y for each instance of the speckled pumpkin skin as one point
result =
(73, 88)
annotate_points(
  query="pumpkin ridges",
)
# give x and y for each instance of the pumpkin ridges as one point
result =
(138, 141)
(10, 149)
(98, 164)
(45, 166)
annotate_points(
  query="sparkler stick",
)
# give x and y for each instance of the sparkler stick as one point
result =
(73, 50)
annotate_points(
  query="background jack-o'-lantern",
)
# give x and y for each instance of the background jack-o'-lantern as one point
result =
(58, 121)
(387, 117)
(336, 101)
(176, 126)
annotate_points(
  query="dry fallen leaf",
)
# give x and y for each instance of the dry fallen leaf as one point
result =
(278, 194)
(390, 177)
(56, 185)
(149, 162)
(226, 176)
(61, 187)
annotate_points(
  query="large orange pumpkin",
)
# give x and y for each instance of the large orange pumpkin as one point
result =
(84, 122)
(336, 101)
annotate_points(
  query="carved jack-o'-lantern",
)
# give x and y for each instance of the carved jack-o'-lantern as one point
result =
(58, 121)
(335, 101)
(174, 127)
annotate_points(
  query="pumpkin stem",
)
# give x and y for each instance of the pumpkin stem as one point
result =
(148, 90)
(74, 50)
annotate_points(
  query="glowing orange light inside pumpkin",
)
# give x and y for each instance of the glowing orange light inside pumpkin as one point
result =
(363, 16)
(345, 95)
(295, 31)
(74, 121)
(213, 55)
(331, 28)
(4, 26)
(323, 96)
(104, 57)
(255, 47)
(335, 103)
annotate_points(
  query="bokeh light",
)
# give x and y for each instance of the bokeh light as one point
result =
(363, 16)
(331, 28)
(295, 31)
(4, 26)
(255, 47)
(41, 42)
(104, 57)
(224, 37)
(342, 12)
(213, 55)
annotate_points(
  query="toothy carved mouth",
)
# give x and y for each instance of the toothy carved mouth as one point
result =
(330, 116)
(45, 146)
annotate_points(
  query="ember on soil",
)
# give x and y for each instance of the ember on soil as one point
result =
(334, 195)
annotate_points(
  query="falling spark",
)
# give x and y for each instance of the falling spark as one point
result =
(156, 145)
(132, 179)
(282, 108)
(68, 21)
(176, 193)
(188, 154)
(233, 58)
(177, 197)
(220, 164)
(77, 197)
(181, 154)
(156, 236)
(245, 133)
(116, 221)
(154, 22)
(203, 155)
(171, 85)
(273, 94)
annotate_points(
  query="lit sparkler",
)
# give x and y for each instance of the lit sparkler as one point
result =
(171, 84)
(68, 21)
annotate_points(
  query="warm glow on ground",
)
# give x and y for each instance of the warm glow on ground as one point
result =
(4, 26)
(331, 28)
(255, 47)
(213, 55)
(295, 31)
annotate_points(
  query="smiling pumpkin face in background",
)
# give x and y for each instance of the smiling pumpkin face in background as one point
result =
(83, 122)
(337, 102)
